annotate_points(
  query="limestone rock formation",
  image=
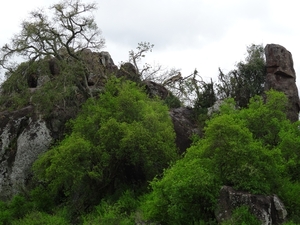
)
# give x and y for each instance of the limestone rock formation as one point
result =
(281, 76)
(23, 136)
(268, 209)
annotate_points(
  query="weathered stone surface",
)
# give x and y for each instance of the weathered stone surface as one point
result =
(281, 76)
(215, 108)
(128, 71)
(268, 209)
(106, 59)
(153, 89)
(184, 127)
(23, 137)
(279, 60)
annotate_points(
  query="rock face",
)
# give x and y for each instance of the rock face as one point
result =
(281, 76)
(128, 71)
(268, 209)
(23, 137)
(153, 89)
(184, 127)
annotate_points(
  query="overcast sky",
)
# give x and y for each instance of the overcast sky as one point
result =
(187, 34)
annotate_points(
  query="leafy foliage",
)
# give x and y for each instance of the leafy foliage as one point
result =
(241, 215)
(247, 80)
(122, 138)
(15, 209)
(37, 218)
(186, 193)
(61, 38)
(237, 151)
(120, 212)
(70, 28)
(136, 56)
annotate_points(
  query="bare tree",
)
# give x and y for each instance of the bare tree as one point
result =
(135, 57)
(186, 88)
(70, 28)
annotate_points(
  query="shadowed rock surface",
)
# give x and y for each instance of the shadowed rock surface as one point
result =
(281, 76)
(184, 127)
(268, 209)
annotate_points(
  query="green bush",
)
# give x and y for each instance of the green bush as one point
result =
(186, 193)
(289, 193)
(123, 138)
(16, 208)
(172, 101)
(236, 151)
(38, 218)
(120, 212)
(242, 161)
(242, 216)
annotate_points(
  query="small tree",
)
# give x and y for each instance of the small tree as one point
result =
(70, 29)
(135, 57)
(247, 80)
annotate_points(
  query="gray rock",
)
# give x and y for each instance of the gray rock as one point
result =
(22, 138)
(281, 76)
(268, 209)
(155, 90)
(33, 141)
(184, 126)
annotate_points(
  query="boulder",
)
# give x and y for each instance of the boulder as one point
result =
(153, 89)
(281, 76)
(23, 136)
(128, 71)
(106, 60)
(184, 126)
(268, 209)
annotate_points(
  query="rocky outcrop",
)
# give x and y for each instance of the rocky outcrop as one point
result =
(23, 136)
(281, 76)
(128, 71)
(155, 90)
(268, 209)
(184, 126)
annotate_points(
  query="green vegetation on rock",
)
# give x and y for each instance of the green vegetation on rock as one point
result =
(121, 139)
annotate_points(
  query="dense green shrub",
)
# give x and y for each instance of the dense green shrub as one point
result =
(38, 218)
(109, 212)
(172, 101)
(289, 193)
(14, 91)
(242, 216)
(16, 208)
(253, 149)
(121, 139)
(186, 193)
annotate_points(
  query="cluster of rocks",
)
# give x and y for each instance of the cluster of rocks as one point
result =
(268, 209)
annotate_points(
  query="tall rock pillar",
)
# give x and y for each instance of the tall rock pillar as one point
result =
(281, 76)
